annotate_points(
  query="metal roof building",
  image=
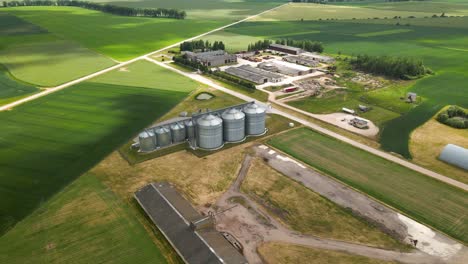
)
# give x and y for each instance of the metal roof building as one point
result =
(285, 49)
(177, 220)
(285, 67)
(302, 60)
(455, 155)
(318, 57)
(212, 58)
(255, 75)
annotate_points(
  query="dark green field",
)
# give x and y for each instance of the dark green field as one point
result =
(50, 141)
(84, 223)
(418, 196)
(440, 42)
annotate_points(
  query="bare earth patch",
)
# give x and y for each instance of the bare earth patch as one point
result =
(282, 253)
(201, 179)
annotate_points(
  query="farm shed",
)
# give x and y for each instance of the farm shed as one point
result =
(285, 67)
(212, 58)
(455, 155)
(302, 60)
(255, 75)
(319, 58)
(285, 49)
(179, 222)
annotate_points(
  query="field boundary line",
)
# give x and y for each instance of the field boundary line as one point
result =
(95, 74)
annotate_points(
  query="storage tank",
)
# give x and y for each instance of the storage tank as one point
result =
(147, 141)
(233, 125)
(190, 129)
(254, 119)
(178, 132)
(163, 136)
(209, 132)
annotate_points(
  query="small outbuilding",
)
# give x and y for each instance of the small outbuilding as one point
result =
(411, 97)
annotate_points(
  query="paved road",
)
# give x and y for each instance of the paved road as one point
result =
(374, 151)
(82, 79)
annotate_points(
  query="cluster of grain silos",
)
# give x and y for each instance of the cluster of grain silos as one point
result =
(208, 130)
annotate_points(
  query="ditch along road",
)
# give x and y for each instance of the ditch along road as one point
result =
(251, 225)
(385, 155)
(85, 78)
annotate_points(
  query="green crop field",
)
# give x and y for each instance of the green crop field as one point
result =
(47, 143)
(228, 10)
(298, 11)
(418, 196)
(440, 42)
(119, 37)
(84, 223)
(11, 89)
(32, 55)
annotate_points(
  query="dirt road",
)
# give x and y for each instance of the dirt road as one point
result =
(387, 219)
(252, 227)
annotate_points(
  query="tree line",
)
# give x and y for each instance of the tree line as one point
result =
(201, 45)
(397, 67)
(307, 45)
(454, 116)
(106, 8)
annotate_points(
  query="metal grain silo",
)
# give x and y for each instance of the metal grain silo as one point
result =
(233, 125)
(163, 136)
(190, 129)
(147, 141)
(178, 132)
(254, 119)
(209, 132)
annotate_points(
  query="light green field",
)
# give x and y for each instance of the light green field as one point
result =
(51, 63)
(84, 223)
(47, 143)
(32, 55)
(146, 74)
(298, 11)
(11, 89)
(422, 198)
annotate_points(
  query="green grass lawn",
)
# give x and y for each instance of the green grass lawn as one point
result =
(440, 43)
(84, 223)
(418, 196)
(47, 143)
(11, 89)
(32, 55)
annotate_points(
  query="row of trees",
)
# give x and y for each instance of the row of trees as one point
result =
(306, 45)
(396, 67)
(183, 60)
(259, 45)
(201, 45)
(112, 9)
(454, 116)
